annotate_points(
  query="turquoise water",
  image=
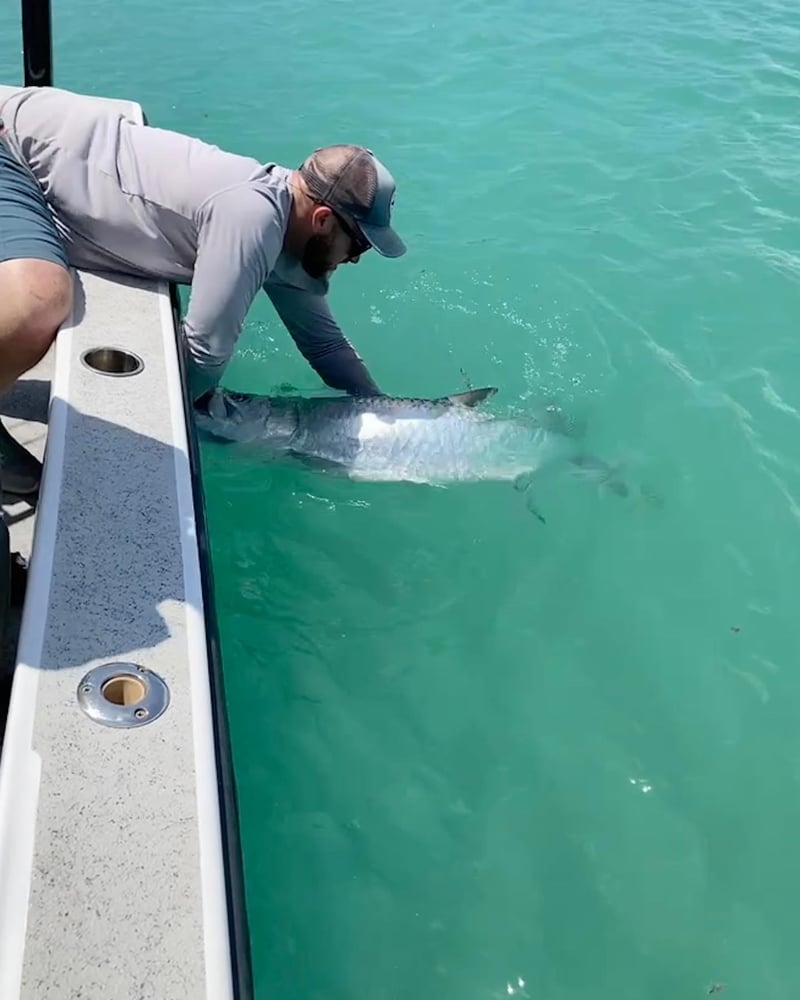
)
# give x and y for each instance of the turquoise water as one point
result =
(479, 756)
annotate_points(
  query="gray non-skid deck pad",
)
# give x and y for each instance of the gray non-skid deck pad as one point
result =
(111, 881)
(111, 870)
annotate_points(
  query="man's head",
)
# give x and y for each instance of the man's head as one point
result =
(351, 195)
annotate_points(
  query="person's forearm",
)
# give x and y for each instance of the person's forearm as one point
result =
(202, 379)
(343, 369)
(320, 340)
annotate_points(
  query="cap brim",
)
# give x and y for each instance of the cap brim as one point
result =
(384, 239)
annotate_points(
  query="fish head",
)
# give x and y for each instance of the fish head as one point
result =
(244, 417)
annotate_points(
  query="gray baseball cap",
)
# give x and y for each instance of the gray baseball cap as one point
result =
(353, 182)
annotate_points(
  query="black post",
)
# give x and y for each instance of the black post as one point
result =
(37, 43)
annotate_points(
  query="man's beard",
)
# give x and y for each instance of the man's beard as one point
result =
(317, 255)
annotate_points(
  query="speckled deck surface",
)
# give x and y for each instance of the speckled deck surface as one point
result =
(111, 878)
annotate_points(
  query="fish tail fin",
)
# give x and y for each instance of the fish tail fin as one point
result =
(613, 479)
(598, 471)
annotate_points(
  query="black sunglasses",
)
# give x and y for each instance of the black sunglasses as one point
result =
(359, 244)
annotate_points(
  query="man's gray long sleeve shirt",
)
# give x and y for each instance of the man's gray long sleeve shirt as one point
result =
(153, 203)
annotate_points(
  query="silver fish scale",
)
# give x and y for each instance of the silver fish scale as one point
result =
(417, 442)
(384, 438)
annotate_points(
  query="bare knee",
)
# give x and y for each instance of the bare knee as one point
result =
(35, 299)
(46, 289)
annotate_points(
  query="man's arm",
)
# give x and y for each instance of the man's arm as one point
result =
(239, 239)
(307, 317)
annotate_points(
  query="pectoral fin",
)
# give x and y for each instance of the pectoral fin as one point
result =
(315, 464)
(523, 481)
(530, 503)
(522, 485)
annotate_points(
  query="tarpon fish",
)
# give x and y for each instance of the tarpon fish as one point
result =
(392, 439)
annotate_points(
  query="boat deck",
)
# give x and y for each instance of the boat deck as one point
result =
(118, 841)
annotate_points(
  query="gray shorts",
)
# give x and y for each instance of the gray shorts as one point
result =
(26, 226)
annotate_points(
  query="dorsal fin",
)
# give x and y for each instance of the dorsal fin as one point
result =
(472, 396)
